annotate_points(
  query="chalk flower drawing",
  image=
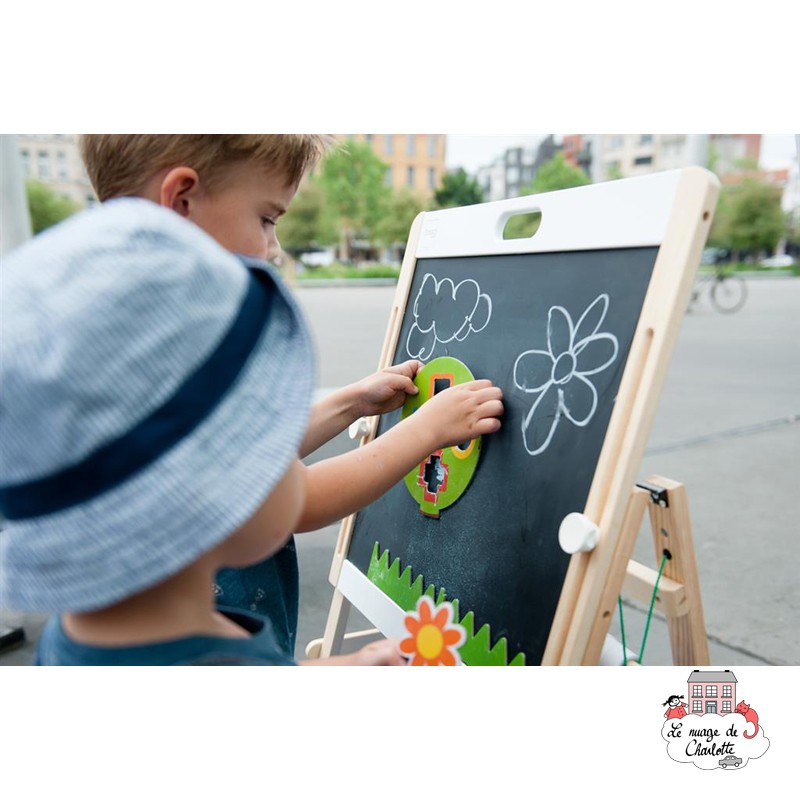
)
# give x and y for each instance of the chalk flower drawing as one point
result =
(443, 312)
(435, 638)
(559, 374)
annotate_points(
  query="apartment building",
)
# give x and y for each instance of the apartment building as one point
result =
(509, 174)
(711, 692)
(413, 161)
(53, 158)
(626, 155)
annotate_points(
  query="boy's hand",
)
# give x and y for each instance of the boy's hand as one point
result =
(383, 653)
(461, 413)
(387, 389)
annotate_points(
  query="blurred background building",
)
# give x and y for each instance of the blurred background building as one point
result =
(414, 161)
(53, 159)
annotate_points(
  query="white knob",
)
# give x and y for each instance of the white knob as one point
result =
(578, 534)
(359, 429)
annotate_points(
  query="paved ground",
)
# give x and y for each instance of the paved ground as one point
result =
(728, 426)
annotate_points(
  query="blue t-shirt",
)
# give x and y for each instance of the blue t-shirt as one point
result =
(57, 649)
(270, 588)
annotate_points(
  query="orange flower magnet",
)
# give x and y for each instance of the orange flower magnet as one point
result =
(435, 638)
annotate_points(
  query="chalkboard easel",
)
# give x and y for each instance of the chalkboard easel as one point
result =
(576, 324)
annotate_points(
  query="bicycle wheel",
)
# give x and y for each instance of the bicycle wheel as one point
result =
(728, 294)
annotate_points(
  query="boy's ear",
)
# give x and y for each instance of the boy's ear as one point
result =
(180, 189)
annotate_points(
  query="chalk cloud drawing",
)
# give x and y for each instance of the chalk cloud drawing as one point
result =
(558, 375)
(443, 312)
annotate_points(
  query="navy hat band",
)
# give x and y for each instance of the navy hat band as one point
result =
(194, 400)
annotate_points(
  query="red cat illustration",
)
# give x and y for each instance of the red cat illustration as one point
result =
(750, 715)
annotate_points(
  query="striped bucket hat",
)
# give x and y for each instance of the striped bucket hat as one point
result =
(154, 388)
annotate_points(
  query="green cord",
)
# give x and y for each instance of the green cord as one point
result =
(622, 628)
(649, 617)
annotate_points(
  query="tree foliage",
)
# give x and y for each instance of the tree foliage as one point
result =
(749, 218)
(46, 207)
(555, 174)
(353, 181)
(458, 189)
(309, 221)
(403, 205)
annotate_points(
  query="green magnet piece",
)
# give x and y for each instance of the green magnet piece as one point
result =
(439, 480)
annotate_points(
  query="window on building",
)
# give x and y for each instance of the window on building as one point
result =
(697, 705)
(697, 690)
(431, 178)
(368, 138)
(26, 161)
(388, 142)
(646, 138)
(409, 176)
(726, 691)
(387, 177)
(61, 158)
(432, 146)
(711, 691)
(640, 161)
(410, 144)
(616, 142)
(512, 174)
(44, 164)
(726, 706)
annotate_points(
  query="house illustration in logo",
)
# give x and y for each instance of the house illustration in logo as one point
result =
(712, 692)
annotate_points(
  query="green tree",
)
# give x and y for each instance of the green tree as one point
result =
(555, 174)
(402, 207)
(457, 189)
(755, 221)
(308, 222)
(46, 207)
(353, 178)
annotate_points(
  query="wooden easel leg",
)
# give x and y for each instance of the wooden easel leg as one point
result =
(672, 531)
(629, 531)
(337, 623)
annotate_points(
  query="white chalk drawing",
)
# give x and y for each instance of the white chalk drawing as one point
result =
(443, 312)
(558, 375)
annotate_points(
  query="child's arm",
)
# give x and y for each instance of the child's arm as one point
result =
(383, 653)
(376, 394)
(342, 485)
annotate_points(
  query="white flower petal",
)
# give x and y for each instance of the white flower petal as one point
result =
(541, 422)
(533, 370)
(559, 331)
(594, 354)
(579, 400)
(591, 319)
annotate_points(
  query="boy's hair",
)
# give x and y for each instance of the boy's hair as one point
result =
(120, 164)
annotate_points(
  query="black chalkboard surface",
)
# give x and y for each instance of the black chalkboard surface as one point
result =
(576, 324)
(552, 330)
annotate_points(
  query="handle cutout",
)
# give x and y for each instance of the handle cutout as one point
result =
(522, 226)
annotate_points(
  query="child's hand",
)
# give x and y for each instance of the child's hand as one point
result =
(383, 653)
(461, 413)
(387, 389)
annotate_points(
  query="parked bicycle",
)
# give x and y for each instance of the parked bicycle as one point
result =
(726, 290)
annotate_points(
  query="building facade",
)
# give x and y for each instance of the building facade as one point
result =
(509, 174)
(711, 692)
(625, 155)
(54, 159)
(414, 161)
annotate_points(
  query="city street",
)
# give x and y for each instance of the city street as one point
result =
(727, 426)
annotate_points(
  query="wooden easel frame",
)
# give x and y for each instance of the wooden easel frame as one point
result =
(583, 614)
